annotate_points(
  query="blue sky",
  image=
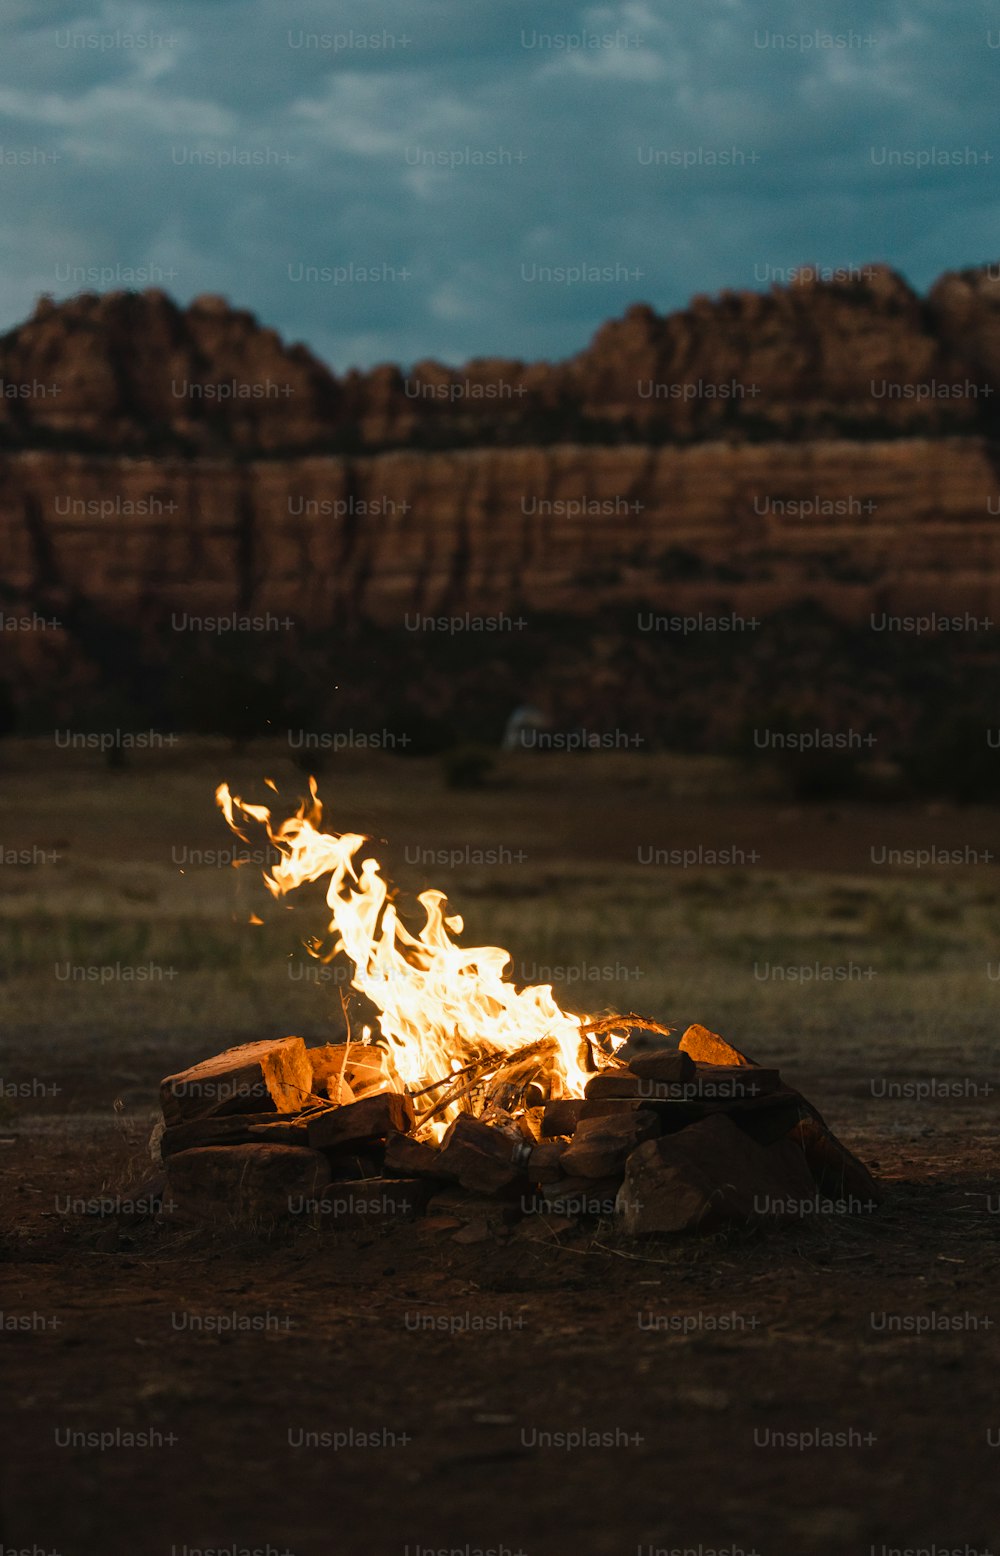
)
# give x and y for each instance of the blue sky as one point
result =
(568, 127)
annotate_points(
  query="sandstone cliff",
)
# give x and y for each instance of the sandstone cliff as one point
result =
(137, 508)
(853, 525)
(862, 358)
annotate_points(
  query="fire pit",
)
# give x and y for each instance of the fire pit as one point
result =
(464, 1090)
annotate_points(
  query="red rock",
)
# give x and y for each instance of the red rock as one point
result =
(469, 1206)
(718, 1085)
(481, 1158)
(662, 1064)
(477, 1231)
(835, 1169)
(607, 1107)
(409, 1158)
(544, 1161)
(562, 1116)
(255, 1183)
(708, 1174)
(602, 1146)
(576, 1197)
(812, 350)
(709, 1048)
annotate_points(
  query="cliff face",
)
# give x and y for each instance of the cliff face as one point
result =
(866, 357)
(832, 443)
(328, 541)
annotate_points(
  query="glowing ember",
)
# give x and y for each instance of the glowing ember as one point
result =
(443, 1007)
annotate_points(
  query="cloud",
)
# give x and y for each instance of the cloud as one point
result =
(234, 143)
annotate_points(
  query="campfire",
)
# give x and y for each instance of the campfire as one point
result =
(479, 1102)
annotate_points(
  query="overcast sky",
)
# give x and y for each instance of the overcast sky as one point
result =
(568, 151)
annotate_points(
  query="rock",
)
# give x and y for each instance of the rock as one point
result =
(477, 1231)
(480, 1158)
(282, 1131)
(359, 1123)
(718, 1085)
(409, 1158)
(205, 476)
(562, 1116)
(607, 1107)
(244, 1183)
(269, 1076)
(576, 1197)
(602, 1146)
(612, 1084)
(709, 1048)
(811, 350)
(348, 1169)
(662, 1064)
(708, 1174)
(730, 1084)
(770, 1118)
(836, 1171)
(544, 1161)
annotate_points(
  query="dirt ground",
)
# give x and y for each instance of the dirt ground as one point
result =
(826, 1388)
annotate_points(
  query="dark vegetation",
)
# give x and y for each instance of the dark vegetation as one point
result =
(870, 714)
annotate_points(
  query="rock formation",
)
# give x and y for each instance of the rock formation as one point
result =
(826, 442)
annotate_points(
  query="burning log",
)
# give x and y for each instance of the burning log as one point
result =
(502, 1078)
(361, 1067)
(336, 1090)
(529, 1122)
(263, 1077)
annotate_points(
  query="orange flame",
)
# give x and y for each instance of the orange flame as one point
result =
(441, 1005)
